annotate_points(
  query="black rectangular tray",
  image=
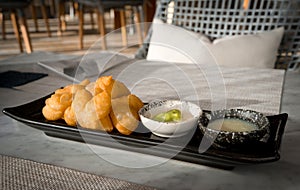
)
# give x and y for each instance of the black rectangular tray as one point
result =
(31, 114)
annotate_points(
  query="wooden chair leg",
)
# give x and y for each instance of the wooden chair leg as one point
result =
(45, 17)
(25, 34)
(92, 20)
(80, 29)
(33, 13)
(149, 8)
(101, 26)
(123, 27)
(61, 17)
(52, 7)
(138, 26)
(117, 23)
(2, 20)
(14, 21)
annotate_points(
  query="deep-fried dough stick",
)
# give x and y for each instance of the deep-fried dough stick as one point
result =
(57, 105)
(100, 105)
(124, 113)
(86, 111)
(114, 88)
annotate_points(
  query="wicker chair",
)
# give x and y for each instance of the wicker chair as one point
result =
(219, 18)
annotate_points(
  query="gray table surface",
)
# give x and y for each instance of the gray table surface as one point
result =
(23, 141)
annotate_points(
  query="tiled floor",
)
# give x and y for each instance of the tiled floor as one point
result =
(68, 42)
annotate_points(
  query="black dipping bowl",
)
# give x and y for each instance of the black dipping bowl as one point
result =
(235, 140)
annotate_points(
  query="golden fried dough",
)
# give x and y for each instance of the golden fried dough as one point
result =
(56, 106)
(124, 113)
(104, 83)
(135, 103)
(107, 124)
(86, 112)
(102, 102)
(51, 114)
(119, 90)
(114, 88)
(85, 82)
(58, 103)
(69, 116)
(91, 88)
(101, 105)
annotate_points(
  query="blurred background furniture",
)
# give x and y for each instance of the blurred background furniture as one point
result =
(15, 8)
(60, 6)
(219, 18)
(67, 42)
(101, 6)
(42, 5)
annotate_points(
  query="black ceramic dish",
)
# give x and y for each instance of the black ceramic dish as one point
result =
(234, 139)
(30, 114)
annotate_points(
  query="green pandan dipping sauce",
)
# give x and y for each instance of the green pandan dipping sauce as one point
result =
(173, 115)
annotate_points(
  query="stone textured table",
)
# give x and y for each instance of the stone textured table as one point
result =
(19, 140)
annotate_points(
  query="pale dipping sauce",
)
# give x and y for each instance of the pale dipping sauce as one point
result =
(232, 125)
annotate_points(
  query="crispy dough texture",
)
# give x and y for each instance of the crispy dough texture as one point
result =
(91, 88)
(69, 116)
(113, 87)
(124, 113)
(56, 106)
(101, 105)
(86, 111)
(51, 114)
(60, 101)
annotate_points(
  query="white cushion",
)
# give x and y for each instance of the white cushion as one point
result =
(175, 44)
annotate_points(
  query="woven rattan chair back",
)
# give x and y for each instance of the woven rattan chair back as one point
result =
(219, 18)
